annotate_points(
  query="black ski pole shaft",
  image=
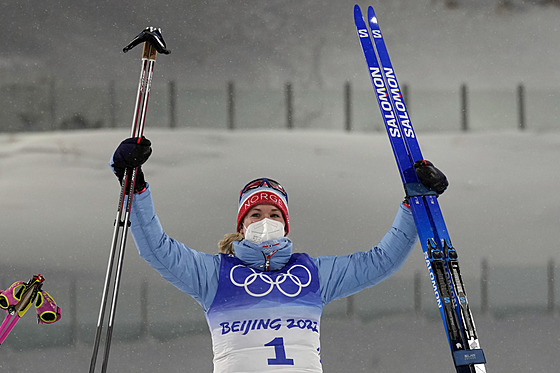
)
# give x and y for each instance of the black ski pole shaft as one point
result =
(153, 43)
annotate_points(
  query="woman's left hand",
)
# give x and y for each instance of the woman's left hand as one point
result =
(430, 176)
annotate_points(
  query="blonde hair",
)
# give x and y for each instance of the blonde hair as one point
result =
(226, 244)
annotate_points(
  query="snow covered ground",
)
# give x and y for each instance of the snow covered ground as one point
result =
(59, 202)
(528, 344)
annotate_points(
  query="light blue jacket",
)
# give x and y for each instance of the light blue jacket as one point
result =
(196, 273)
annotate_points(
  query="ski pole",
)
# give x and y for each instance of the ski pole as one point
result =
(153, 43)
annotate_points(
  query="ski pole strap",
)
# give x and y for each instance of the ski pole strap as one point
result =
(418, 189)
(47, 310)
(12, 295)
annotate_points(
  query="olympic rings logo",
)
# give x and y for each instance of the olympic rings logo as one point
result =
(281, 279)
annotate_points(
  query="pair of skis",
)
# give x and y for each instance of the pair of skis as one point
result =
(440, 255)
(153, 44)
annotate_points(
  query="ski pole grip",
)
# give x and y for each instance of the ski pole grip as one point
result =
(149, 52)
(150, 35)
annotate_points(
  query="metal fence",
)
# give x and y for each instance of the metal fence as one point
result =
(46, 104)
(155, 309)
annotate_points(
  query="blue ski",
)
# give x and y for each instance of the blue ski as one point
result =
(439, 254)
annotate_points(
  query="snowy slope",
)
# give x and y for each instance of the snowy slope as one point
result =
(59, 194)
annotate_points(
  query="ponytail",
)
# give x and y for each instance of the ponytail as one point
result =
(226, 244)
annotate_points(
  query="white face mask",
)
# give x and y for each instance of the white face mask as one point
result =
(264, 230)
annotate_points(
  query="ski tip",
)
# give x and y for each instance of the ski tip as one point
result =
(371, 15)
(357, 11)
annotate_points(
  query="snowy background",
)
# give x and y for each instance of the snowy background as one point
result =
(59, 196)
(265, 43)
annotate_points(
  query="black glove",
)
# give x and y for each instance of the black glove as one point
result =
(430, 176)
(130, 154)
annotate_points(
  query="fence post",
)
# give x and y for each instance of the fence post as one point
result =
(144, 308)
(73, 311)
(112, 105)
(405, 96)
(289, 106)
(231, 105)
(417, 293)
(348, 106)
(550, 278)
(172, 105)
(521, 105)
(350, 310)
(52, 103)
(464, 108)
(484, 286)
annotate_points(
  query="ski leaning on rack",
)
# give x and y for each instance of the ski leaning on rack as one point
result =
(153, 44)
(440, 255)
